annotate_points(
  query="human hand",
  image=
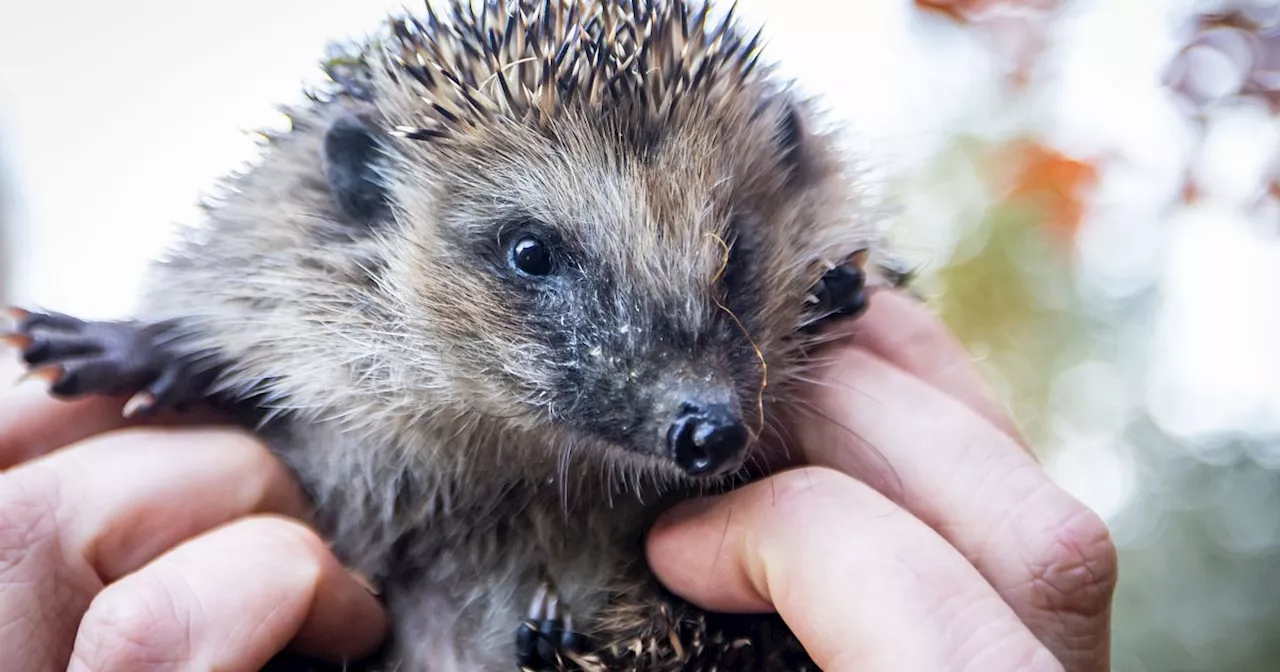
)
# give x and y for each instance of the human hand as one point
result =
(148, 547)
(963, 556)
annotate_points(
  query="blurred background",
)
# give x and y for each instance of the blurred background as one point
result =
(1090, 190)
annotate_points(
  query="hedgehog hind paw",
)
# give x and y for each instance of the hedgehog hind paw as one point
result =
(80, 358)
(547, 641)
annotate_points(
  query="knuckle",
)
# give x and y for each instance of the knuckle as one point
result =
(1074, 562)
(132, 625)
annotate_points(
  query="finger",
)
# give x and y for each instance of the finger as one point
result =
(33, 423)
(79, 518)
(41, 596)
(230, 600)
(1047, 554)
(861, 583)
(903, 332)
(123, 498)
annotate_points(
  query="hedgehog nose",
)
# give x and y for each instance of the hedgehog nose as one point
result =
(706, 439)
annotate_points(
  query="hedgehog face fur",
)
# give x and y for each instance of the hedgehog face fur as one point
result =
(616, 235)
(600, 222)
(615, 293)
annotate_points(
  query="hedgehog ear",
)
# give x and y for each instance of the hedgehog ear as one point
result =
(791, 134)
(351, 153)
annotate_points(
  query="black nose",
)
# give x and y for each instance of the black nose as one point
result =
(704, 439)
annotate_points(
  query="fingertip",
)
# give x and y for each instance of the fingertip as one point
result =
(722, 553)
(346, 621)
(807, 540)
(695, 550)
(235, 597)
(688, 512)
(34, 423)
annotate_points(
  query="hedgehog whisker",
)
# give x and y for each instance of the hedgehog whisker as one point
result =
(834, 384)
(764, 365)
(885, 463)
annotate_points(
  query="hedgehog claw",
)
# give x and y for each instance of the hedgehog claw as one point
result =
(16, 341)
(17, 315)
(138, 404)
(546, 641)
(50, 375)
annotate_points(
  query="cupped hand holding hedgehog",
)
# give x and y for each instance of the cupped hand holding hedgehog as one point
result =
(551, 320)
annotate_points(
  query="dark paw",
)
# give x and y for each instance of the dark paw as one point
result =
(80, 358)
(895, 271)
(839, 294)
(547, 642)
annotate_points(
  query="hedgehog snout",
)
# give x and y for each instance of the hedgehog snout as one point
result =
(707, 440)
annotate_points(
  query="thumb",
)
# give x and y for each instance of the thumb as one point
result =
(860, 582)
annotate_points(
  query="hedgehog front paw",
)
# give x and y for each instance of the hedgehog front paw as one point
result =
(79, 358)
(547, 642)
(840, 293)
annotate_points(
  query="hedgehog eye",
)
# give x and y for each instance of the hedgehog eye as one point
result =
(531, 256)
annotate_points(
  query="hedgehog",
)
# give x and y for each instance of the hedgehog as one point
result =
(516, 278)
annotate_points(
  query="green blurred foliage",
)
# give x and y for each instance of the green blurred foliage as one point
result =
(1007, 288)
(1198, 523)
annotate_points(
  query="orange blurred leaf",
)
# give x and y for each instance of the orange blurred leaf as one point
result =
(960, 10)
(966, 11)
(1014, 30)
(1191, 192)
(1052, 180)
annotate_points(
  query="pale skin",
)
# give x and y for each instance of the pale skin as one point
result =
(947, 547)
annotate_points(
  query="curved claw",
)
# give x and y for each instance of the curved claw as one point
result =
(17, 341)
(49, 374)
(17, 315)
(547, 640)
(139, 404)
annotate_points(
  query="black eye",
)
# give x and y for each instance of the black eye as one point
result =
(531, 256)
